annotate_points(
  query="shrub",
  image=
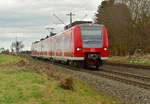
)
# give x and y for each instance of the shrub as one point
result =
(67, 83)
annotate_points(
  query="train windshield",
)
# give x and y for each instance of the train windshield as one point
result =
(91, 36)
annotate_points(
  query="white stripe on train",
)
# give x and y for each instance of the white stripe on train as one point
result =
(70, 58)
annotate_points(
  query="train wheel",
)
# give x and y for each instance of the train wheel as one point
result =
(67, 62)
(79, 64)
(85, 65)
(97, 66)
(101, 63)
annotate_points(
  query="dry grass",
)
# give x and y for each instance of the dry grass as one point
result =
(67, 83)
(135, 60)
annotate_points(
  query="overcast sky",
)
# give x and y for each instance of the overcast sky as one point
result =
(27, 19)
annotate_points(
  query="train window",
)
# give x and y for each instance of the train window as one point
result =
(67, 41)
(91, 36)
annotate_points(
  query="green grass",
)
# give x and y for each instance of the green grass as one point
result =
(22, 85)
(8, 58)
(143, 60)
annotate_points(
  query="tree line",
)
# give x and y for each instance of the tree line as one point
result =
(128, 25)
(16, 48)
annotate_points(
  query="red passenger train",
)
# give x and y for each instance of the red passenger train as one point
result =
(85, 44)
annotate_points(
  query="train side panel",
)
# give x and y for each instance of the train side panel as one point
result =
(61, 46)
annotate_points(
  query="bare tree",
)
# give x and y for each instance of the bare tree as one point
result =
(17, 46)
(140, 11)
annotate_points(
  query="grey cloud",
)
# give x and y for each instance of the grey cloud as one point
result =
(28, 19)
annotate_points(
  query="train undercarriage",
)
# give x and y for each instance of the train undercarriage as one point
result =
(91, 60)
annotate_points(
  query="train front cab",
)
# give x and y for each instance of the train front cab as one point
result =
(92, 44)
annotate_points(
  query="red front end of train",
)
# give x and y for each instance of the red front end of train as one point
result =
(86, 44)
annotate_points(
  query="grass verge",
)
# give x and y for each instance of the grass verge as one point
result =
(8, 58)
(133, 60)
(26, 81)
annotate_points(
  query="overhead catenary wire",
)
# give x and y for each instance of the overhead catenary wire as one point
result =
(59, 19)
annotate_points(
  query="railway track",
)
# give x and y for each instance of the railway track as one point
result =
(127, 78)
(145, 79)
(123, 77)
(131, 80)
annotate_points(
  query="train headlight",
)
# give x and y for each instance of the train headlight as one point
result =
(105, 49)
(79, 49)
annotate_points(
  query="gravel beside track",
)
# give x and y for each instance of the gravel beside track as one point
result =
(127, 80)
(125, 92)
(137, 71)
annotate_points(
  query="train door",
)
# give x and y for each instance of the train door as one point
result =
(52, 44)
(63, 45)
(49, 47)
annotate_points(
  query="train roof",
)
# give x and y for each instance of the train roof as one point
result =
(77, 23)
(41, 39)
(90, 24)
(35, 42)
